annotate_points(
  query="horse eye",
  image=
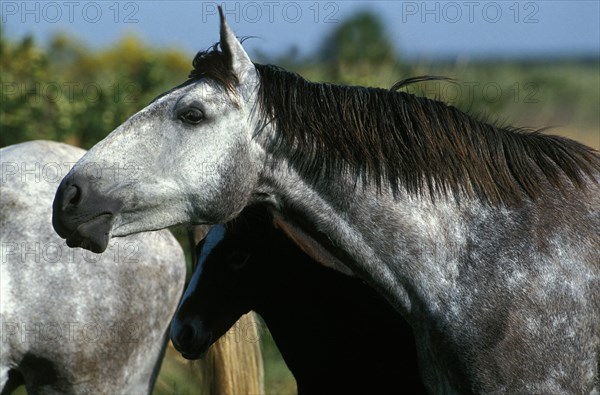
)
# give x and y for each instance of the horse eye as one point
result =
(236, 260)
(192, 116)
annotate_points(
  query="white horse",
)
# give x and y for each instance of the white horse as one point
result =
(71, 321)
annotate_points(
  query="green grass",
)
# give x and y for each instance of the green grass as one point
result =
(177, 375)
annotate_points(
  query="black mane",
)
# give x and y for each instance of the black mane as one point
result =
(400, 140)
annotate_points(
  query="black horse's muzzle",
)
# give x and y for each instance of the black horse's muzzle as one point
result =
(190, 340)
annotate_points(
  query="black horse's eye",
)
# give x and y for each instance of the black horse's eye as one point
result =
(192, 116)
(237, 260)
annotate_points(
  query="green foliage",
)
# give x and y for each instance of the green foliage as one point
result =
(177, 375)
(67, 93)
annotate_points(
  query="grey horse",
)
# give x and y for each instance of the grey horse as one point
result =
(75, 322)
(485, 238)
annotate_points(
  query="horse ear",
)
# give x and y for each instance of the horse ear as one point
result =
(232, 48)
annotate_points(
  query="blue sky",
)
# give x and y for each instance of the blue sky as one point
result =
(419, 29)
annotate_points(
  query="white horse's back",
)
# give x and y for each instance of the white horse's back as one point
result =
(73, 321)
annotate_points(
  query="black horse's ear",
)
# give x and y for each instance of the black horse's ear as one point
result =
(239, 60)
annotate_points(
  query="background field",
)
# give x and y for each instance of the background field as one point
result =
(64, 91)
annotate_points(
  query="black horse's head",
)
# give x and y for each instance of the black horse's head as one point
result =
(223, 285)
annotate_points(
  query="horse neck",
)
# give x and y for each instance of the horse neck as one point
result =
(339, 213)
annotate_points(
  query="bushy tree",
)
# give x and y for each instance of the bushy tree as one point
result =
(361, 39)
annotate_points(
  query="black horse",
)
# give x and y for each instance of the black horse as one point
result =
(334, 332)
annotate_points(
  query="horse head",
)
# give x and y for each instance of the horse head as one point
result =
(171, 162)
(223, 285)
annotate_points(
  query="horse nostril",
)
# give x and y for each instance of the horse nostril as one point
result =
(72, 196)
(186, 336)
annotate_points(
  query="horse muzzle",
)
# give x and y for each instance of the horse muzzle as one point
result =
(82, 216)
(189, 341)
